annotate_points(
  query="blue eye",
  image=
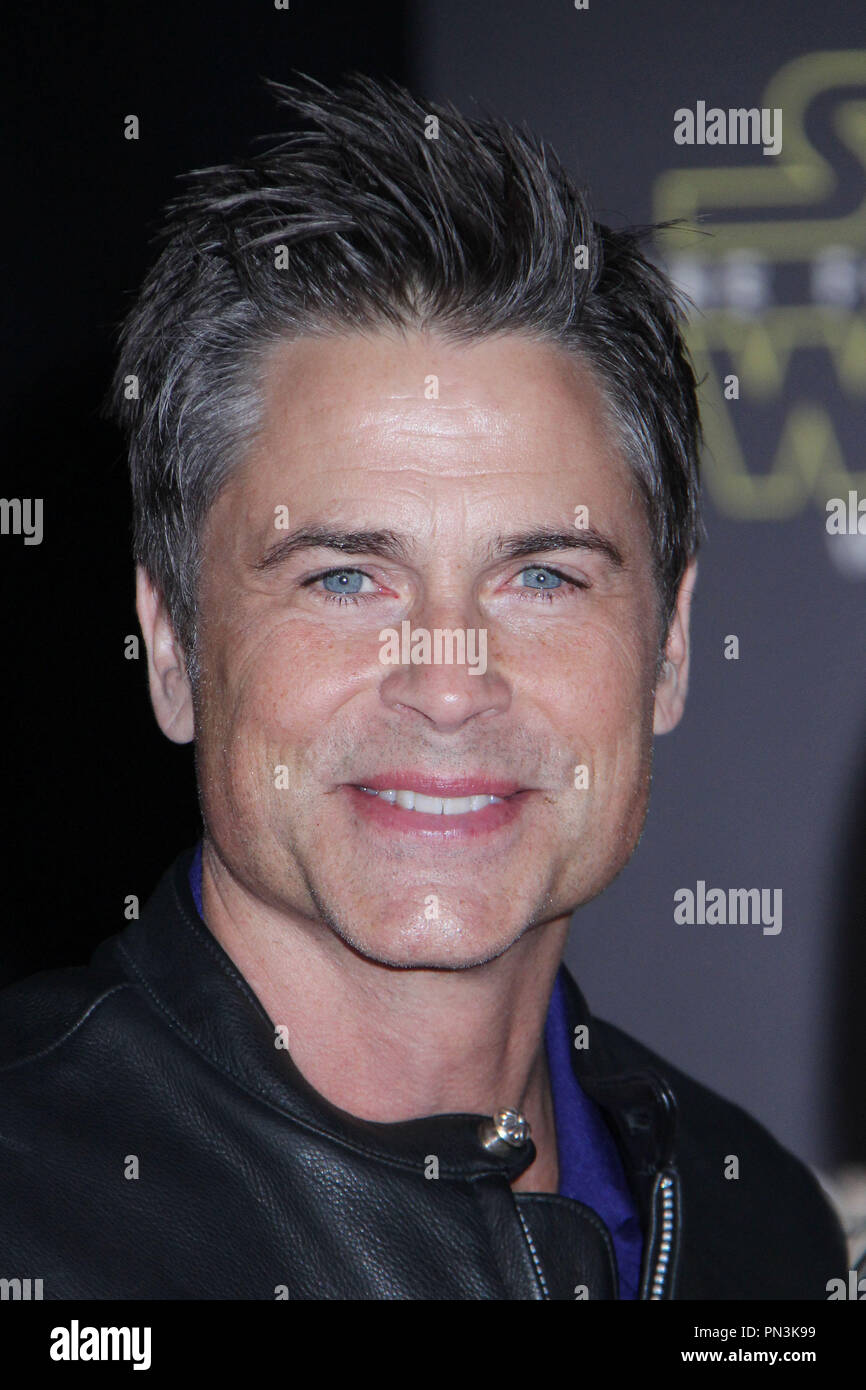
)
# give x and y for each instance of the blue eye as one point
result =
(549, 585)
(541, 578)
(342, 586)
(343, 581)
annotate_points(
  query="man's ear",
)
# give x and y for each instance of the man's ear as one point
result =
(673, 682)
(170, 689)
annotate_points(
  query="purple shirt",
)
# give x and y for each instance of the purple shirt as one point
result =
(590, 1168)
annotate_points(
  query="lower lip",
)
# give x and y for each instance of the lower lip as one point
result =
(470, 825)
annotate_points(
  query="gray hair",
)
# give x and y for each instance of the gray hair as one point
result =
(472, 233)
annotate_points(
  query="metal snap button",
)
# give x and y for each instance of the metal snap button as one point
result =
(507, 1130)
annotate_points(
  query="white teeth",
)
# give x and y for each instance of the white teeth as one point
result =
(435, 805)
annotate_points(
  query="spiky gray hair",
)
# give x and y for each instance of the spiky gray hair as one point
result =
(472, 234)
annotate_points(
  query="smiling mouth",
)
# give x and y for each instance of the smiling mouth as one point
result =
(434, 805)
(431, 808)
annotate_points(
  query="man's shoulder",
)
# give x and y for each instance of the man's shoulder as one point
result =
(43, 1011)
(41, 1014)
(745, 1196)
(704, 1116)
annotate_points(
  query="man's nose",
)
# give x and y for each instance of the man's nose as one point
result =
(438, 665)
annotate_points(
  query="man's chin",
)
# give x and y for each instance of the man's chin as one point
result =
(438, 944)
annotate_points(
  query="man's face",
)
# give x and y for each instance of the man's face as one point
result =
(297, 712)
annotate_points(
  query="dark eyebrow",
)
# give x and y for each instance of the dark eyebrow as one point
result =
(537, 542)
(387, 544)
(390, 545)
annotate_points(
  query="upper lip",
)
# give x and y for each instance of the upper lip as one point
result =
(480, 784)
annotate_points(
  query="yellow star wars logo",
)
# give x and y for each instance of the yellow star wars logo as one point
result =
(782, 272)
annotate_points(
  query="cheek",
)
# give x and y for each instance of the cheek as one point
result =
(615, 688)
(270, 689)
(596, 682)
(610, 721)
(618, 710)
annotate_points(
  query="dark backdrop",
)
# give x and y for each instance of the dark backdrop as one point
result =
(97, 801)
(764, 782)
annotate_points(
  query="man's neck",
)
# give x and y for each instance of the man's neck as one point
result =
(389, 1044)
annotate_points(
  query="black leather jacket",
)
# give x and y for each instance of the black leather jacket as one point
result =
(155, 1143)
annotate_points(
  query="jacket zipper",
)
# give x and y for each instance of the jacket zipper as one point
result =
(666, 1217)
